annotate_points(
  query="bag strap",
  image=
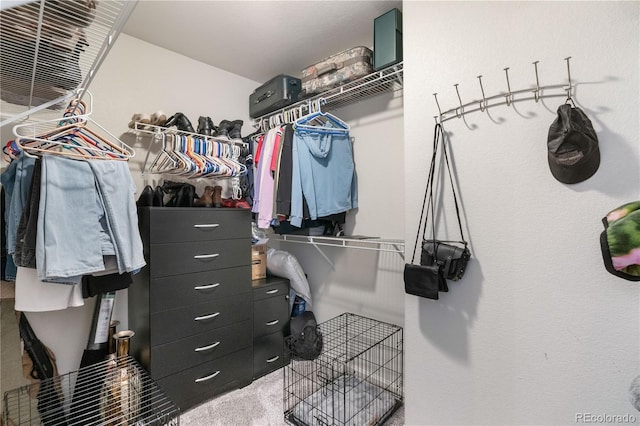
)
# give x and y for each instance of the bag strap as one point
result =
(428, 191)
(453, 189)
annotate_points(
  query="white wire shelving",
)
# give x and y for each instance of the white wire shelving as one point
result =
(350, 242)
(387, 80)
(50, 52)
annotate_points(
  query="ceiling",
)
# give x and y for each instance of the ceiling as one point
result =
(257, 39)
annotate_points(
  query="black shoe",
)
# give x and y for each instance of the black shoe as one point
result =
(224, 128)
(146, 197)
(205, 126)
(158, 197)
(181, 122)
(236, 129)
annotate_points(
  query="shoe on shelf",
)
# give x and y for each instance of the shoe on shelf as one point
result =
(146, 197)
(235, 204)
(206, 199)
(205, 126)
(180, 121)
(236, 129)
(224, 128)
(217, 196)
(158, 118)
(158, 197)
(139, 118)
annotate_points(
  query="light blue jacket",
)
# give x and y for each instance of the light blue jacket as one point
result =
(324, 173)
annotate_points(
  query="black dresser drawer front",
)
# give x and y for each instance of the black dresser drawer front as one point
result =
(186, 353)
(176, 324)
(270, 316)
(183, 258)
(200, 383)
(270, 288)
(174, 225)
(188, 289)
(268, 354)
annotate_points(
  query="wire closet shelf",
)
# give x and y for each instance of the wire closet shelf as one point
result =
(112, 392)
(387, 80)
(50, 51)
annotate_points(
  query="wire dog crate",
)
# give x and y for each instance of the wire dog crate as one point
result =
(113, 392)
(356, 380)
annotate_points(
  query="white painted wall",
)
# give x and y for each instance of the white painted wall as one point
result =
(537, 330)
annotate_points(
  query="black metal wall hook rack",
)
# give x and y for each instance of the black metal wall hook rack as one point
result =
(507, 98)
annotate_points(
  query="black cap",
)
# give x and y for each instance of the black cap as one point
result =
(572, 144)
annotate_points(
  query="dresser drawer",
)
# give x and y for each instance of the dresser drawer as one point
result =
(174, 225)
(270, 287)
(271, 315)
(188, 289)
(179, 323)
(268, 354)
(182, 258)
(200, 383)
(185, 353)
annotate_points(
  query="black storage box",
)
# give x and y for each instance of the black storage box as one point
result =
(387, 39)
(276, 93)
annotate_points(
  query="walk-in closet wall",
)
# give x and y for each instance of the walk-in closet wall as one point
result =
(537, 332)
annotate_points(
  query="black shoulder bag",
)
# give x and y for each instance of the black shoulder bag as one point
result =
(440, 259)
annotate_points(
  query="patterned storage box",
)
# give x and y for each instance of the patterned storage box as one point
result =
(337, 69)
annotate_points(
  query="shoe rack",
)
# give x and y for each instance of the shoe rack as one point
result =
(387, 80)
(52, 51)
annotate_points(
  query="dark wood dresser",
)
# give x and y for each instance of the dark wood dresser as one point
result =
(191, 307)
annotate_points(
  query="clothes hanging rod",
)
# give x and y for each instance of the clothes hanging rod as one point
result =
(483, 104)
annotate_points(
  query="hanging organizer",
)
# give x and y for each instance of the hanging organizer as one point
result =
(507, 98)
(50, 51)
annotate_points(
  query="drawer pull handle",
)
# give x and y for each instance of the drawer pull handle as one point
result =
(206, 225)
(206, 348)
(274, 322)
(206, 317)
(274, 359)
(274, 291)
(209, 377)
(206, 256)
(206, 287)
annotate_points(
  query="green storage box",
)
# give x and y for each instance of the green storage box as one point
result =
(387, 39)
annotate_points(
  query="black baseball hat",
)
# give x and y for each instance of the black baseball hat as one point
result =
(572, 144)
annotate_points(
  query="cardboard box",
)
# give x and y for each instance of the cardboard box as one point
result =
(258, 261)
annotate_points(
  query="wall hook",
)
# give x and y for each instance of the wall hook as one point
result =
(459, 111)
(570, 88)
(509, 95)
(483, 102)
(536, 93)
(435, 95)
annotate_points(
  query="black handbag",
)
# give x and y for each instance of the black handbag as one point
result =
(425, 280)
(450, 256)
(439, 260)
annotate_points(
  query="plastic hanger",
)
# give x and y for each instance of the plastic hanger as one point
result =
(317, 121)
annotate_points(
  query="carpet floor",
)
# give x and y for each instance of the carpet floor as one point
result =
(258, 404)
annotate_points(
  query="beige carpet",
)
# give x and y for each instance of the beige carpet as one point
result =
(259, 404)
